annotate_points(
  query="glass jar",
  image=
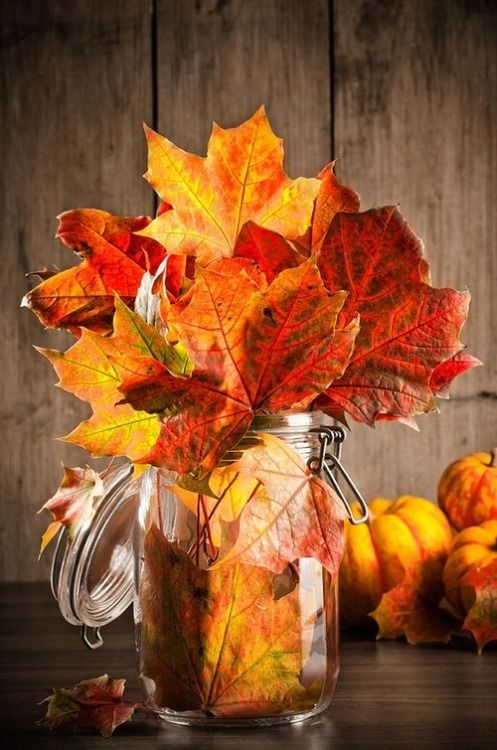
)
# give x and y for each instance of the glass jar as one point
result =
(228, 646)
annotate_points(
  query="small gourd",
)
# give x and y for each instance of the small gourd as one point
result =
(398, 534)
(467, 491)
(474, 547)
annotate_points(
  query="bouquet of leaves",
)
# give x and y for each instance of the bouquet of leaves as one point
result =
(248, 294)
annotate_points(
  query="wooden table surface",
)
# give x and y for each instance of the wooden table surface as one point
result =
(389, 695)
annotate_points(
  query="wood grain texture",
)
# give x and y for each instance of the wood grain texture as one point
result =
(415, 111)
(389, 696)
(415, 99)
(75, 88)
(221, 59)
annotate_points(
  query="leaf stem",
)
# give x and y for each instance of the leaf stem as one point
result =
(207, 532)
(159, 503)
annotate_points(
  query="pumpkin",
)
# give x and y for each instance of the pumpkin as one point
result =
(397, 534)
(474, 547)
(467, 491)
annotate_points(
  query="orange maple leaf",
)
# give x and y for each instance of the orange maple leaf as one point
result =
(114, 260)
(240, 179)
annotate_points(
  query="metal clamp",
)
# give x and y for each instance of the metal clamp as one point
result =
(329, 464)
(89, 642)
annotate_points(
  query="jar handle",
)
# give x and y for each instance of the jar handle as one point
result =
(329, 464)
(91, 643)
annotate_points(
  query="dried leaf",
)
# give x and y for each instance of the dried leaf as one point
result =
(220, 497)
(332, 198)
(216, 641)
(92, 369)
(241, 179)
(97, 702)
(407, 328)
(268, 249)
(481, 619)
(445, 372)
(114, 261)
(74, 503)
(253, 349)
(293, 514)
(411, 608)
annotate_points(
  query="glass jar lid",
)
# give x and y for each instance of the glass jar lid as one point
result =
(92, 575)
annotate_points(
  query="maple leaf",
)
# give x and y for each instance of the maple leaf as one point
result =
(294, 513)
(114, 261)
(74, 503)
(92, 369)
(217, 641)
(332, 198)
(481, 619)
(445, 372)
(411, 608)
(97, 702)
(407, 327)
(268, 249)
(240, 179)
(220, 497)
(253, 350)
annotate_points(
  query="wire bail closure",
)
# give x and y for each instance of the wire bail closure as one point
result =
(329, 465)
(91, 642)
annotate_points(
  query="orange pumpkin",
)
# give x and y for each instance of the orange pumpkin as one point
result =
(474, 547)
(467, 491)
(397, 534)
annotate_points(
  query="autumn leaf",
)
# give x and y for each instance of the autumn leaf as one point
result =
(97, 702)
(92, 369)
(332, 198)
(114, 261)
(407, 328)
(74, 503)
(253, 350)
(445, 372)
(217, 641)
(241, 179)
(294, 513)
(268, 249)
(220, 497)
(411, 608)
(481, 619)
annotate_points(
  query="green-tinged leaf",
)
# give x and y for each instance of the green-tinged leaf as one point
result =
(253, 350)
(217, 641)
(93, 369)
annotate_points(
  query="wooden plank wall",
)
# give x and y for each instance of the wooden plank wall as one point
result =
(415, 87)
(413, 90)
(76, 86)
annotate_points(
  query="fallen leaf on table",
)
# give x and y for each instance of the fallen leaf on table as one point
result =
(481, 619)
(97, 702)
(411, 608)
